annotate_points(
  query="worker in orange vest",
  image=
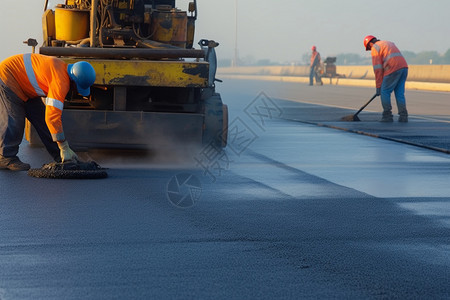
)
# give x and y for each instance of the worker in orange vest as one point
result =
(24, 79)
(391, 71)
(314, 67)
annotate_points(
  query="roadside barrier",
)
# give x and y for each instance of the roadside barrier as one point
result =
(420, 77)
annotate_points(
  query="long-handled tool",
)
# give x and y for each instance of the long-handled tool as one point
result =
(354, 117)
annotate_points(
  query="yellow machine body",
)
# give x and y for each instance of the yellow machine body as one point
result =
(148, 73)
(48, 26)
(151, 73)
(71, 24)
(170, 27)
(152, 88)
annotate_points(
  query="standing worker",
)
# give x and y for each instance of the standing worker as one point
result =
(314, 67)
(24, 79)
(391, 71)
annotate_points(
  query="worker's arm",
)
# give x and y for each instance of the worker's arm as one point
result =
(53, 114)
(377, 62)
(59, 88)
(313, 60)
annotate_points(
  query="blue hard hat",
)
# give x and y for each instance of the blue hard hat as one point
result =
(83, 74)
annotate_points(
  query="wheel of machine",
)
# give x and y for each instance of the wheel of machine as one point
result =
(215, 123)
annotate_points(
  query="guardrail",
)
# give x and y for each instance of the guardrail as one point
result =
(421, 77)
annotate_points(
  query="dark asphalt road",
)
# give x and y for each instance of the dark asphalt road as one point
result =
(290, 210)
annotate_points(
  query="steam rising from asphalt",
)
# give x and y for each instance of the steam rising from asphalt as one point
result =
(175, 156)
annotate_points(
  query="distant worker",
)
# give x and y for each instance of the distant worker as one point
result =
(315, 67)
(391, 71)
(24, 79)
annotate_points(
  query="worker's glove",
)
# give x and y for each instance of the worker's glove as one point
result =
(66, 152)
(378, 91)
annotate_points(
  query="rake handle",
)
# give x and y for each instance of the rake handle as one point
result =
(364, 106)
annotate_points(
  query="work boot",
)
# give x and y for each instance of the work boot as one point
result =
(387, 117)
(13, 163)
(403, 119)
(403, 113)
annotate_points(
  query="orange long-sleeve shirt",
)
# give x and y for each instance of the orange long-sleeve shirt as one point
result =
(386, 59)
(35, 75)
(315, 59)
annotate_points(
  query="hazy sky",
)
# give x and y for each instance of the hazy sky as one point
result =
(280, 30)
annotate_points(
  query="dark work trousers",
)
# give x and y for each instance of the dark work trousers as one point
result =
(12, 121)
(35, 113)
(394, 82)
(313, 73)
(13, 112)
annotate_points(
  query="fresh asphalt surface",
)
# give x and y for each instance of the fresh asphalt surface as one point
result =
(290, 210)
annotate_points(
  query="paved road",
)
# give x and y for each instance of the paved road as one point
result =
(290, 210)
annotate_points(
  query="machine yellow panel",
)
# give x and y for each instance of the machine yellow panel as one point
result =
(150, 73)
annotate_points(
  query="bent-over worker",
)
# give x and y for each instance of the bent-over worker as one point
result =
(391, 71)
(24, 79)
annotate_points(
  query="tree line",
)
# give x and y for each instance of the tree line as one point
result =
(421, 58)
(343, 59)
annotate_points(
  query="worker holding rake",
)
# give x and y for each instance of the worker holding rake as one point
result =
(391, 71)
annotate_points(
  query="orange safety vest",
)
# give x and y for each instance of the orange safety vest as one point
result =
(386, 59)
(315, 56)
(35, 75)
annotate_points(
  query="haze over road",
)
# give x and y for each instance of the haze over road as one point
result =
(278, 31)
(289, 210)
